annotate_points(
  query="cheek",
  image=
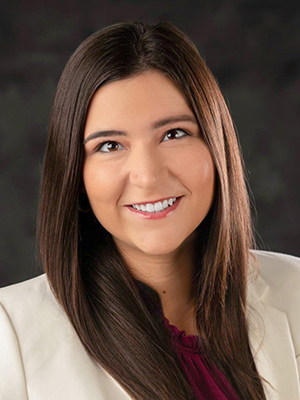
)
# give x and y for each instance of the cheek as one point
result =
(100, 184)
(199, 171)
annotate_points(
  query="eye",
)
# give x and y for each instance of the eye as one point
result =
(109, 146)
(173, 134)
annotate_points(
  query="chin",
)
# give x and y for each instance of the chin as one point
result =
(158, 248)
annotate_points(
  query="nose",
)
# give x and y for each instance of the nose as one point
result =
(147, 169)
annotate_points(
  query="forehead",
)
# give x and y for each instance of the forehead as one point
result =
(147, 96)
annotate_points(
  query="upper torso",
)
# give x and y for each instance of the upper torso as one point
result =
(42, 358)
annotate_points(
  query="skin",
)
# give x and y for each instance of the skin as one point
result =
(147, 165)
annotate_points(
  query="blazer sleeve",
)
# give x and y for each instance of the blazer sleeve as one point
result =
(12, 374)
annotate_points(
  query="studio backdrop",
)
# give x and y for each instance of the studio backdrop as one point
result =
(251, 46)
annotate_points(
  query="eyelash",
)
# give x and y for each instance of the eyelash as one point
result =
(113, 141)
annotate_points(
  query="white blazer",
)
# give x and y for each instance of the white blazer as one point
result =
(41, 357)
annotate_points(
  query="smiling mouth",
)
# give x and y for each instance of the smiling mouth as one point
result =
(155, 207)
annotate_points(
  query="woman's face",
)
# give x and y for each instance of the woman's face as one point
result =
(153, 152)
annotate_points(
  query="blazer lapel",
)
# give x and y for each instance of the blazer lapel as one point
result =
(271, 342)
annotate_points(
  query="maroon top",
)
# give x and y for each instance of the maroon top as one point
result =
(199, 375)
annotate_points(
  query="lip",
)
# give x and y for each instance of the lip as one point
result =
(155, 215)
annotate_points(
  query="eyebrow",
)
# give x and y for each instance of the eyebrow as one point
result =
(155, 125)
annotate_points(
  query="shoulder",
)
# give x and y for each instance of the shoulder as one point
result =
(281, 272)
(33, 295)
(277, 284)
(28, 301)
(277, 260)
(29, 312)
(24, 295)
(26, 290)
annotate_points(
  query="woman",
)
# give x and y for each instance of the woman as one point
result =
(144, 232)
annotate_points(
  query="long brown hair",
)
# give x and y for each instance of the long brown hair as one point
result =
(116, 316)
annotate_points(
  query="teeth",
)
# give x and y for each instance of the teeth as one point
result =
(156, 207)
(149, 207)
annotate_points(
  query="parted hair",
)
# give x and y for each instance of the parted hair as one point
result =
(117, 317)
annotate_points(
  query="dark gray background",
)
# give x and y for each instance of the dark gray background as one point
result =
(252, 47)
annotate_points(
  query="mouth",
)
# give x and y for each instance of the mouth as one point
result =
(155, 206)
(155, 213)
